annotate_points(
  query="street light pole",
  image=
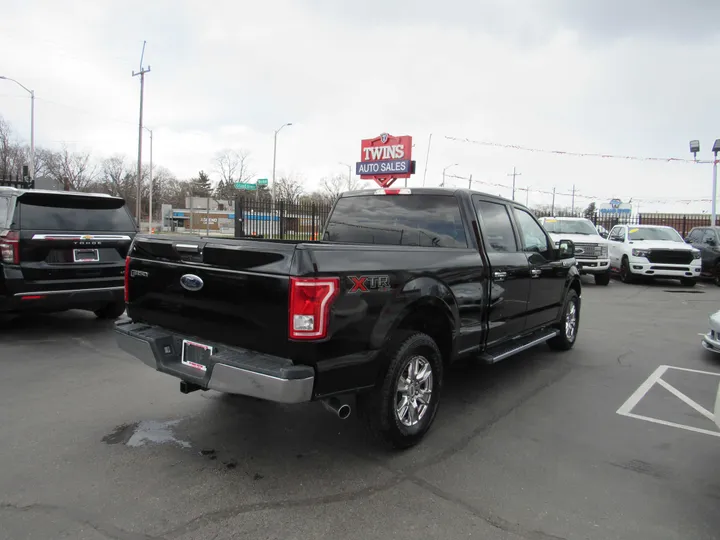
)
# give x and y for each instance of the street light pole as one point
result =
(349, 173)
(151, 181)
(694, 149)
(445, 169)
(32, 123)
(275, 157)
(714, 188)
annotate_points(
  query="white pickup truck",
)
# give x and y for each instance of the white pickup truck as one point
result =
(591, 249)
(653, 251)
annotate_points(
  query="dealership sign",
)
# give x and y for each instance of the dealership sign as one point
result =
(385, 159)
(616, 207)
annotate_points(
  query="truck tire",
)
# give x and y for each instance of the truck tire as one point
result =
(388, 409)
(626, 275)
(602, 279)
(688, 282)
(569, 325)
(110, 311)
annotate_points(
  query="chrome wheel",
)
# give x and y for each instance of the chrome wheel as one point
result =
(414, 391)
(571, 321)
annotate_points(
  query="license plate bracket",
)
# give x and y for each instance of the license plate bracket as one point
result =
(86, 255)
(196, 355)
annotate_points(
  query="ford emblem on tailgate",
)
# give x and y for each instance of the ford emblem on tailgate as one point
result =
(191, 282)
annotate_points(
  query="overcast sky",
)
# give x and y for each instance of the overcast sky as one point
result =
(630, 77)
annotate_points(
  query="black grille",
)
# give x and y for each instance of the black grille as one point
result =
(666, 256)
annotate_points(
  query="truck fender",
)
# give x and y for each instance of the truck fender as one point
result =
(418, 294)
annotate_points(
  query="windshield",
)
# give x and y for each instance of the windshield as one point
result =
(397, 220)
(654, 233)
(570, 226)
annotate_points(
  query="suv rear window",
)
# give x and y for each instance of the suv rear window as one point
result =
(397, 220)
(73, 214)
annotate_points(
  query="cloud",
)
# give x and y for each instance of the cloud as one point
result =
(627, 78)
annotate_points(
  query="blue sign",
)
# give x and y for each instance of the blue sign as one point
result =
(178, 214)
(394, 166)
(231, 216)
(262, 217)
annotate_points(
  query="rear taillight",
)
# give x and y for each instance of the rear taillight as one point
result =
(127, 278)
(10, 247)
(310, 301)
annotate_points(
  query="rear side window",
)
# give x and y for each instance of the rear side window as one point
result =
(73, 214)
(397, 220)
(496, 227)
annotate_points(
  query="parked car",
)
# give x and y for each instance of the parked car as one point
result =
(711, 340)
(591, 249)
(706, 240)
(403, 283)
(63, 250)
(652, 251)
(717, 408)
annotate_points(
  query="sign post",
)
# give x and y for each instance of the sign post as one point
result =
(386, 158)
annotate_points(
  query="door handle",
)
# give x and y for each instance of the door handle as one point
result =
(535, 272)
(499, 276)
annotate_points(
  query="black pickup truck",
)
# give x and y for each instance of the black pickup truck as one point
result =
(403, 283)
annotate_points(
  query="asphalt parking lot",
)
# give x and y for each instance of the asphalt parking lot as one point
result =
(586, 444)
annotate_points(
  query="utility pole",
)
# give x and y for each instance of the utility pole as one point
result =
(470, 182)
(573, 201)
(552, 210)
(514, 174)
(527, 194)
(142, 73)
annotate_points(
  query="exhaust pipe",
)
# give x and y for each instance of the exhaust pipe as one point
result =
(334, 405)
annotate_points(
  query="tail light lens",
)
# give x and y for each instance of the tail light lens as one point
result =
(10, 247)
(310, 302)
(127, 278)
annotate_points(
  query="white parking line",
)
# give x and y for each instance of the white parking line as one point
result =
(655, 378)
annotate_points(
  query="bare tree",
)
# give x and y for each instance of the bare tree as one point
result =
(11, 156)
(233, 165)
(289, 188)
(73, 167)
(331, 187)
(116, 176)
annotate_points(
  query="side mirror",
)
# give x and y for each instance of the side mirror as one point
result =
(711, 242)
(688, 241)
(566, 249)
(604, 234)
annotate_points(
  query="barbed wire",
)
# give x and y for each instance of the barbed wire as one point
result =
(576, 154)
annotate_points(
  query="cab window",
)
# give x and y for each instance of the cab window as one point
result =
(532, 234)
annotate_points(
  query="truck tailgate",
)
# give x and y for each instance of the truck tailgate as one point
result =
(234, 292)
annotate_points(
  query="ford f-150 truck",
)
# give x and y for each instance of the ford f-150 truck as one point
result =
(402, 283)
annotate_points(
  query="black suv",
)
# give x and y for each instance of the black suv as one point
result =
(63, 250)
(707, 240)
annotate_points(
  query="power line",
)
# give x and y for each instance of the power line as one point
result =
(575, 154)
(577, 194)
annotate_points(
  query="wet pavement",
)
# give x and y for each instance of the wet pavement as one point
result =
(95, 445)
